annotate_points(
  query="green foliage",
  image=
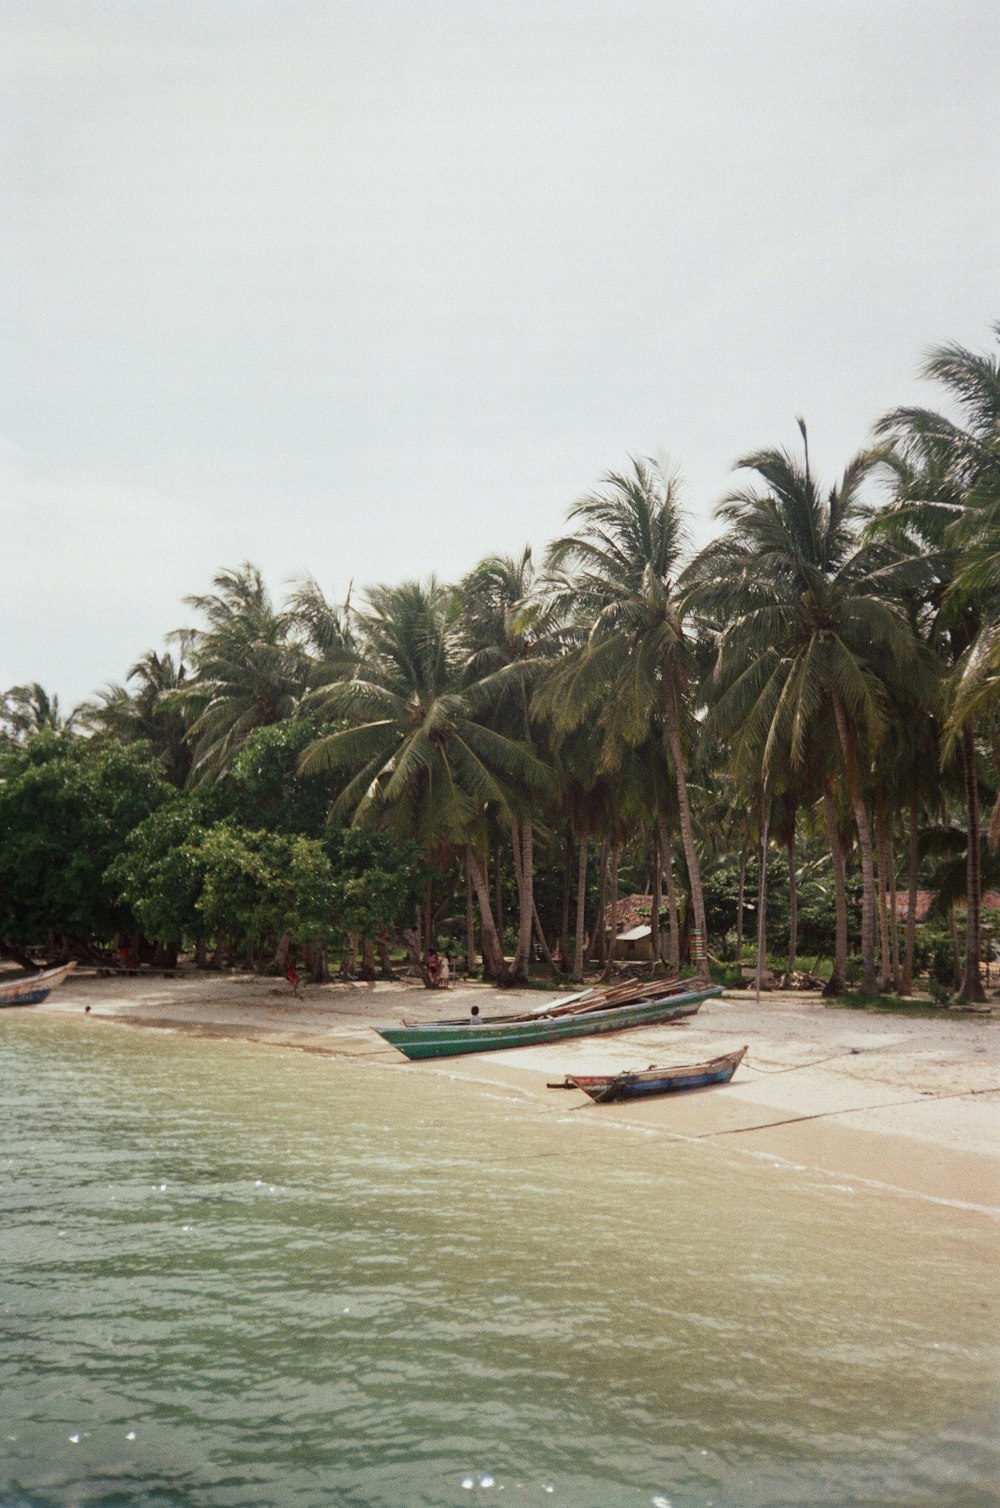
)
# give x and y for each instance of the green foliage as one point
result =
(377, 882)
(187, 877)
(816, 904)
(265, 788)
(259, 885)
(160, 873)
(66, 809)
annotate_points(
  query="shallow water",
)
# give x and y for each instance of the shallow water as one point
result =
(233, 1274)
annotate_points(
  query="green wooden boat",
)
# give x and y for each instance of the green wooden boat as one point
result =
(444, 1039)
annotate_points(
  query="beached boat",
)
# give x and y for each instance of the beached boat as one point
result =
(637, 1083)
(577, 1016)
(34, 987)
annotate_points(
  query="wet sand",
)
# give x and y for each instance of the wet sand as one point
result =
(909, 1103)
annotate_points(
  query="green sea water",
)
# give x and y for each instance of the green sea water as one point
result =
(233, 1274)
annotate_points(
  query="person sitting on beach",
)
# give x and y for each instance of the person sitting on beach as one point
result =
(474, 1016)
(432, 964)
(444, 971)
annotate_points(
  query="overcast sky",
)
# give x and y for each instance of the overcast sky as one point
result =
(375, 289)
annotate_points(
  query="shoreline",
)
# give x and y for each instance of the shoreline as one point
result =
(908, 1104)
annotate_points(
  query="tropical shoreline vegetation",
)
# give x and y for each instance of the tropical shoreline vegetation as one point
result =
(782, 734)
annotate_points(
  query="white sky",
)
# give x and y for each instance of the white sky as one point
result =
(374, 289)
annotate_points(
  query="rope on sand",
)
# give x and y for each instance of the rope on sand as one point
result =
(796, 1066)
(794, 1120)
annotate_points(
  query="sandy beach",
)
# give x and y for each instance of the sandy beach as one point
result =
(909, 1103)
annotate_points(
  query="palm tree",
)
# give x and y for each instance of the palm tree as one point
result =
(510, 627)
(946, 475)
(418, 754)
(27, 710)
(248, 672)
(635, 662)
(326, 630)
(153, 713)
(810, 636)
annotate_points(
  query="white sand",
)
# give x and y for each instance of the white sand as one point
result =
(912, 1103)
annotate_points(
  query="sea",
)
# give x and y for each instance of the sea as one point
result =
(239, 1274)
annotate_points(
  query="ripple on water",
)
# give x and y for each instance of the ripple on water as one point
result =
(233, 1274)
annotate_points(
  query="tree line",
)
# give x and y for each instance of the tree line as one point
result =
(499, 757)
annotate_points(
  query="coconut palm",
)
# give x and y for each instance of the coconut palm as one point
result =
(248, 671)
(946, 475)
(509, 626)
(27, 710)
(152, 712)
(620, 572)
(418, 754)
(811, 639)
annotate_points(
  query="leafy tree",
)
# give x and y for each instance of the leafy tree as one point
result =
(66, 809)
(265, 788)
(160, 872)
(378, 881)
(259, 885)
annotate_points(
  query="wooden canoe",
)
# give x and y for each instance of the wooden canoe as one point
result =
(442, 1039)
(637, 1083)
(34, 987)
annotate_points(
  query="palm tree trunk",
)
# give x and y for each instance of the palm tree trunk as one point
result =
(762, 895)
(600, 933)
(972, 988)
(869, 978)
(564, 920)
(835, 985)
(793, 905)
(470, 930)
(683, 805)
(740, 907)
(581, 905)
(913, 867)
(654, 915)
(956, 952)
(522, 848)
(542, 942)
(493, 959)
(614, 901)
(428, 923)
(890, 856)
(882, 880)
(674, 936)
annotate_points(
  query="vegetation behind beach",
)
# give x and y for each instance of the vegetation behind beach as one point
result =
(787, 742)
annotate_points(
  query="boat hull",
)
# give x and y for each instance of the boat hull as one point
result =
(34, 989)
(606, 1088)
(439, 1039)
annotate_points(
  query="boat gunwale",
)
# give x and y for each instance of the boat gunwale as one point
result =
(438, 1040)
(32, 989)
(661, 1072)
(498, 1022)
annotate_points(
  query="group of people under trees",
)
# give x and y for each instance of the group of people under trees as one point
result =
(438, 967)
